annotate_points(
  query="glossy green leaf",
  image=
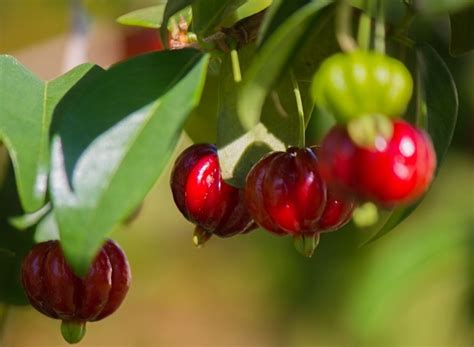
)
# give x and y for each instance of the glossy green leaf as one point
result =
(279, 127)
(209, 14)
(26, 107)
(271, 61)
(172, 7)
(112, 139)
(462, 31)
(149, 17)
(441, 103)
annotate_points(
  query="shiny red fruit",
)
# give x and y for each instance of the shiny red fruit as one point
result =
(203, 197)
(396, 171)
(338, 209)
(54, 290)
(285, 193)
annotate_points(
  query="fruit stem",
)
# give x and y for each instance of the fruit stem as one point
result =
(200, 236)
(380, 28)
(73, 332)
(299, 105)
(236, 66)
(306, 244)
(364, 31)
(343, 27)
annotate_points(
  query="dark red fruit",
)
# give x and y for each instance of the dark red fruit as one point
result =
(54, 290)
(338, 209)
(397, 171)
(285, 193)
(203, 197)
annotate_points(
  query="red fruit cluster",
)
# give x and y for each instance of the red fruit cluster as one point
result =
(286, 195)
(395, 171)
(54, 290)
(204, 198)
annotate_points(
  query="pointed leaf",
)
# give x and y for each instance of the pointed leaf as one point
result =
(26, 108)
(114, 136)
(149, 17)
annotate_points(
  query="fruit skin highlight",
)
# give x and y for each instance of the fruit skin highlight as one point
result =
(395, 171)
(204, 198)
(285, 193)
(54, 290)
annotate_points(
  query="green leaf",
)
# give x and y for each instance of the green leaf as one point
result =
(209, 14)
(271, 61)
(201, 125)
(28, 220)
(249, 8)
(172, 7)
(279, 128)
(278, 13)
(149, 17)
(112, 139)
(25, 115)
(462, 31)
(47, 229)
(441, 101)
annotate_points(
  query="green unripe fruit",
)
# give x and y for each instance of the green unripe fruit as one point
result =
(362, 83)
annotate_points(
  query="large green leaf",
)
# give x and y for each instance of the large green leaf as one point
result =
(272, 59)
(112, 139)
(208, 14)
(172, 7)
(249, 8)
(279, 127)
(26, 107)
(441, 104)
(462, 31)
(149, 17)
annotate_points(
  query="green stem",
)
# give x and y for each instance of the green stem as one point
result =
(299, 105)
(344, 27)
(380, 28)
(236, 66)
(364, 31)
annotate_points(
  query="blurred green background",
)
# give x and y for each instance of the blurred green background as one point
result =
(414, 287)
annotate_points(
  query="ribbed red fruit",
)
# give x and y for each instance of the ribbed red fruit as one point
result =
(203, 197)
(54, 290)
(396, 171)
(339, 206)
(285, 193)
